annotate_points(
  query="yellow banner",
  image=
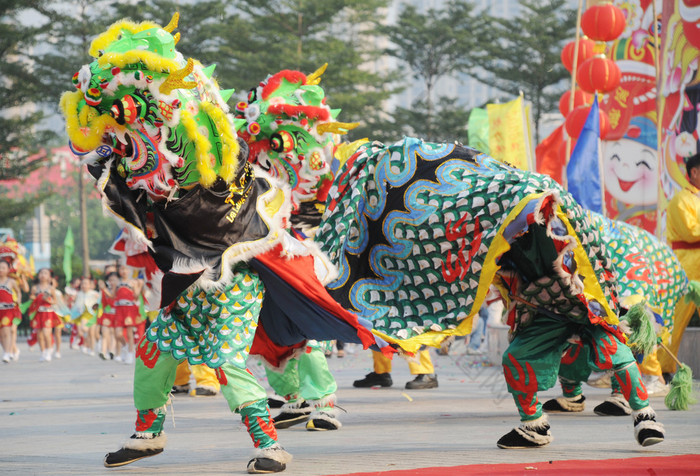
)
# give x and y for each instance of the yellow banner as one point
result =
(508, 133)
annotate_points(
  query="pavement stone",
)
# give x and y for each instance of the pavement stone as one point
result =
(61, 417)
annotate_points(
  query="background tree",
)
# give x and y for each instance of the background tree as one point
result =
(434, 45)
(300, 34)
(23, 135)
(69, 28)
(523, 53)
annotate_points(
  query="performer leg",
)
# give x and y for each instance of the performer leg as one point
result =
(381, 377)
(247, 397)
(287, 384)
(608, 353)
(531, 363)
(615, 404)
(424, 370)
(318, 387)
(683, 313)
(181, 384)
(154, 374)
(207, 384)
(572, 371)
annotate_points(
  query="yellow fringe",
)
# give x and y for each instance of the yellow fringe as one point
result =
(230, 148)
(153, 61)
(202, 146)
(78, 123)
(110, 36)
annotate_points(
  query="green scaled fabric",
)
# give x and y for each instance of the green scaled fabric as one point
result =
(680, 397)
(212, 327)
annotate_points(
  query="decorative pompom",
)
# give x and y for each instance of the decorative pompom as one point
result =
(642, 338)
(693, 294)
(680, 397)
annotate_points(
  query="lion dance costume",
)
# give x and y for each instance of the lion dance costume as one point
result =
(419, 231)
(206, 227)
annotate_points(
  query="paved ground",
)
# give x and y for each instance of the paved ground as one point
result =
(61, 417)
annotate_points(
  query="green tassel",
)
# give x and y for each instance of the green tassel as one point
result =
(693, 294)
(680, 397)
(643, 337)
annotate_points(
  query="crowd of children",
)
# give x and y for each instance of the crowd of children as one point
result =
(104, 317)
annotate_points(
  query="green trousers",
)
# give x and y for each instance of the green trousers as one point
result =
(154, 375)
(532, 362)
(306, 376)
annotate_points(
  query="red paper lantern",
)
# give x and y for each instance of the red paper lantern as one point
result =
(577, 118)
(598, 74)
(585, 51)
(603, 22)
(581, 98)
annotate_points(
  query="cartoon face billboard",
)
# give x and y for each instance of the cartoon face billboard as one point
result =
(630, 158)
(680, 94)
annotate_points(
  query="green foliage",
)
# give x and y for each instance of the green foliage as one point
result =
(433, 45)
(449, 123)
(64, 211)
(20, 120)
(523, 53)
(290, 34)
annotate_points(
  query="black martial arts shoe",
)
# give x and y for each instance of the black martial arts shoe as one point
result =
(565, 404)
(180, 389)
(275, 401)
(292, 414)
(135, 448)
(269, 460)
(614, 405)
(423, 381)
(205, 392)
(530, 434)
(647, 431)
(323, 421)
(374, 379)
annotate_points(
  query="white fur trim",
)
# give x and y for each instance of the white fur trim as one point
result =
(538, 424)
(329, 416)
(618, 400)
(152, 443)
(646, 412)
(327, 401)
(295, 407)
(646, 424)
(528, 430)
(274, 452)
(569, 403)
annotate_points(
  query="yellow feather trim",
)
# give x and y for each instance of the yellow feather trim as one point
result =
(202, 146)
(110, 36)
(84, 131)
(153, 61)
(229, 161)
